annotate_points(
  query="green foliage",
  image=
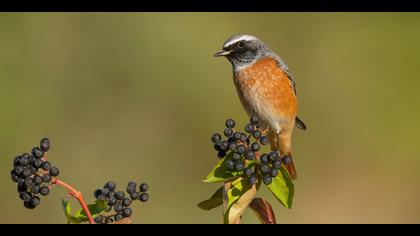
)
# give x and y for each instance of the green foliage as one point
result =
(282, 187)
(220, 172)
(95, 209)
(214, 201)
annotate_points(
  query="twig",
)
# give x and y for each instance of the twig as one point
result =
(76, 194)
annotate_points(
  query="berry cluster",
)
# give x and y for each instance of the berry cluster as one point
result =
(33, 174)
(242, 151)
(118, 201)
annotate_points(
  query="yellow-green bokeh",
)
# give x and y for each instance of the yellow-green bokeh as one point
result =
(136, 96)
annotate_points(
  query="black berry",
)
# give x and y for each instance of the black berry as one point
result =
(273, 172)
(277, 164)
(44, 191)
(264, 168)
(26, 173)
(45, 144)
(35, 189)
(112, 201)
(119, 195)
(255, 147)
(221, 154)
(264, 140)
(249, 128)
(46, 178)
(134, 195)
(99, 219)
(110, 185)
(230, 123)
(252, 179)
(230, 164)
(35, 201)
(25, 196)
(126, 202)
(273, 156)
(267, 180)
(216, 137)
(127, 212)
(228, 132)
(37, 152)
(239, 166)
(46, 165)
(256, 134)
(236, 157)
(287, 160)
(264, 158)
(248, 171)
(144, 197)
(237, 136)
(54, 171)
(37, 163)
(118, 217)
(144, 187)
(254, 120)
(250, 155)
(118, 207)
(131, 189)
(241, 149)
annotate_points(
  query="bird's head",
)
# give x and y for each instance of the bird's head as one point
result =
(243, 50)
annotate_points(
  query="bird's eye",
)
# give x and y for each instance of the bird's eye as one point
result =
(241, 44)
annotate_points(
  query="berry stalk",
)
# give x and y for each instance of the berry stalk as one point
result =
(77, 195)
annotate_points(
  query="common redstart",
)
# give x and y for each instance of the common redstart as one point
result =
(266, 89)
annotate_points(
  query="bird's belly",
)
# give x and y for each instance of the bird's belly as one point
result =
(266, 91)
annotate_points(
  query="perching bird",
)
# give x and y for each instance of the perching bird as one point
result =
(266, 89)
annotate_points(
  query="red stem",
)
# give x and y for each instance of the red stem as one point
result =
(76, 194)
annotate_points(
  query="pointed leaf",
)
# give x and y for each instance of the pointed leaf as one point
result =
(95, 209)
(67, 212)
(282, 187)
(214, 201)
(220, 172)
(263, 210)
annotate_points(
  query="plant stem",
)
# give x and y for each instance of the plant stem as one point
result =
(76, 194)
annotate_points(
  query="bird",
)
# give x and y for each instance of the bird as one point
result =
(266, 89)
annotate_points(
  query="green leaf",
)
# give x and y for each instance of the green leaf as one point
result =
(239, 196)
(282, 187)
(214, 201)
(95, 209)
(67, 212)
(220, 172)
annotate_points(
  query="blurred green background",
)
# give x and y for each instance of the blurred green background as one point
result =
(136, 96)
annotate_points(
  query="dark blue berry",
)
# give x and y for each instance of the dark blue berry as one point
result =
(224, 146)
(112, 201)
(111, 185)
(45, 144)
(250, 155)
(256, 134)
(232, 146)
(230, 164)
(118, 217)
(35, 201)
(248, 171)
(24, 161)
(273, 156)
(126, 202)
(99, 219)
(221, 154)
(264, 168)
(237, 136)
(267, 180)
(252, 179)
(37, 152)
(46, 178)
(119, 195)
(277, 164)
(46, 165)
(239, 166)
(249, 128)
(228, 132)
(216, 137)
(240, 149)
(134, 195)
(37, 163)
(35, 188)
(37, 179)
(273, 172)
(127, 212)
(236, 157)
(264, 140)
(144, 197)
(287, 160)
(230, 123)
(54, 171)
(264, 158)
(254, 120)
(19, 170)
(144, 187)
(255, 147)
(44, 190)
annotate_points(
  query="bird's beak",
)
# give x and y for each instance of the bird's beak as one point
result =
(222, 53)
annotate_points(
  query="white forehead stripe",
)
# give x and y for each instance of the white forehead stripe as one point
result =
(236, 39)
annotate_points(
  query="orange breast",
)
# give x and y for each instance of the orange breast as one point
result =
(265, 89)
